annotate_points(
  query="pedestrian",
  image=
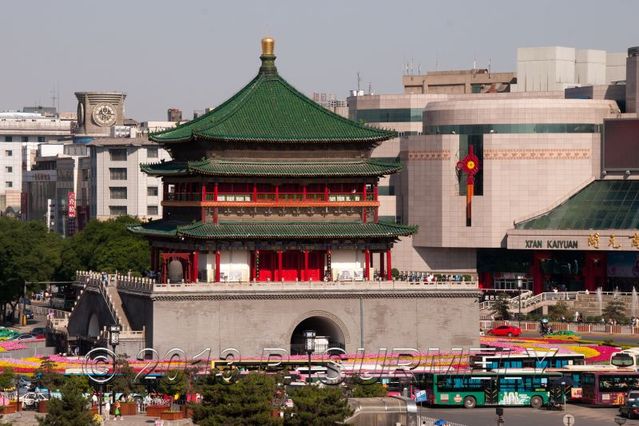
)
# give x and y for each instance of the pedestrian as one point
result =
(576, 316)
(116, 411)
(107, 410)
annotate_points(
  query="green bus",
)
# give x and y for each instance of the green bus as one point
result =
(480, 389)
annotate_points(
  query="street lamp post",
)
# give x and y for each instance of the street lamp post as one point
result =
(520, 283)
(309, 346)
(114, 340)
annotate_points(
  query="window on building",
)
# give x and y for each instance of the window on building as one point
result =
(117, 173)
(117, 210)
(152, 153)
(40, 138)
(118, 192)
(117, 154)
(152, 210)
(25, 138)
(152, 191)
(8, 184)
(8, 138)
(9, 169)
(8, 153)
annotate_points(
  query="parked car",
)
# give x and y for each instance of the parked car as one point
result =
(504, 330)
(630, 408)
(31, 399)
(24, 336)
(39, 332)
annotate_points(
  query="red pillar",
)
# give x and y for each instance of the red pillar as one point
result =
(303, 192)
(279, 264)
(367, 264)
(536, 271)
(375, 192)
(203, 191)
(217, 266)
(215, 191)
(196, 264)
(277, 193)
(305, 276)
(381, 264)
(163, 280)
(255, 192)
(252, 267)
(389, 266)
(325, 191)
(364, 192)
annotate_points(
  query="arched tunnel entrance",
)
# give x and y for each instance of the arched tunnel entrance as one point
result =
(328, 335)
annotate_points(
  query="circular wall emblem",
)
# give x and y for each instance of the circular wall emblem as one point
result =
(104, 115)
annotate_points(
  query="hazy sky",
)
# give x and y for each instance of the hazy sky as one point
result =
(194, 54)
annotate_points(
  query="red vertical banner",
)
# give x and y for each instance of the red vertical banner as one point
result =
(71, 204)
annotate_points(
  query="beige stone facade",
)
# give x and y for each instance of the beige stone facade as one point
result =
(523, 173)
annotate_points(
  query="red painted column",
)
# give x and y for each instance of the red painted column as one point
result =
(389, 266)
(217, 266)
(215, 191)
(375, 192)
(364, 193)
(305, 276)
(536, 271)
(255, 192)
(203, 191)
(367, 264)
(196, 265)
(277, 193)
(163, 281)
(325, 191)
(279, 265)
(304, 192)
(381, 264)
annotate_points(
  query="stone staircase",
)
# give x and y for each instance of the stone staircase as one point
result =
(588, 304)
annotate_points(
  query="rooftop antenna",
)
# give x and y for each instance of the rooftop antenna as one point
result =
(419, 69)
(370, 87)
(474, 63)
(359, 80)
(406, 69)
(54, 97)
(489, 63)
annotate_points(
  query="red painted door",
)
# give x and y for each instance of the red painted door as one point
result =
(268, 265)
(292, 263)
(315, 265)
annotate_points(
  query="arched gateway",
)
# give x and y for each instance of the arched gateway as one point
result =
(328, 335)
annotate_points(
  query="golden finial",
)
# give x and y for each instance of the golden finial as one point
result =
(268, 46)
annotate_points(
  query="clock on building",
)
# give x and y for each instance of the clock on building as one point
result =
(104, 115)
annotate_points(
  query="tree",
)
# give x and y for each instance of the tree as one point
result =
(105, 246)
(28, 252)
(373, 390)
(174, 382)
(615, 310)
(71, 410)
(317, 406)
(501, 306)
(245, 402)
(561, 309)
(46, 376)
(124, 381)
(7, 378)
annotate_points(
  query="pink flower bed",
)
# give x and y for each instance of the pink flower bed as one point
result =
(11, 345)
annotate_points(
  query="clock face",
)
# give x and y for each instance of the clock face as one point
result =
(104, 115)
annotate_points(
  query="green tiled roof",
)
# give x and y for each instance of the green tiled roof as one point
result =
(270, 230)
(604, 204)
(268, 109)
(366, 167)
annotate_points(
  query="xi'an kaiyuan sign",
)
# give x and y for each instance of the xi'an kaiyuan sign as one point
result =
(592, 241)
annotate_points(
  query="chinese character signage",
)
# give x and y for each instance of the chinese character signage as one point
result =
(71, 204)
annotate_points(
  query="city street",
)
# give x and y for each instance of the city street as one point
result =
(520, 416)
